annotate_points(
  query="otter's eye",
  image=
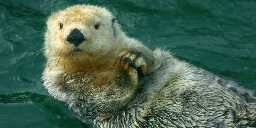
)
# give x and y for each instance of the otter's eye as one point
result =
(97, 26)
(61, 25)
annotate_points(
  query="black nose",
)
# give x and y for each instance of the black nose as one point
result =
(75, 37)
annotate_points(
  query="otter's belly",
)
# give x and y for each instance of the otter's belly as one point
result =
(94, 82)
(97, 91)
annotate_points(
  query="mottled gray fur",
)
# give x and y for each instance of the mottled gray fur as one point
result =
(175, 95)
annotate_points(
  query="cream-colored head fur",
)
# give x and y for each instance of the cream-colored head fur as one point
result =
(96, 23)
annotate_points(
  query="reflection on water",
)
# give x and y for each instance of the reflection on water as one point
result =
(216, 35)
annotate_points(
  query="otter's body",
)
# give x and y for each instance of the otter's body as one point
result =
(116, 82)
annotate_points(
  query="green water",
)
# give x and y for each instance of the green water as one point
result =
(217, 35)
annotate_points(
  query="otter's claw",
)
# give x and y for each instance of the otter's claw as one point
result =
(131, 58)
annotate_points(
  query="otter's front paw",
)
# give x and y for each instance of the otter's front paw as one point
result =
(132, 58)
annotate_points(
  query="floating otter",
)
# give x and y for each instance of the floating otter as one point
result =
(113, 81)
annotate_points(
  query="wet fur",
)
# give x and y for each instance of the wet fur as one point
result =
(172, 93)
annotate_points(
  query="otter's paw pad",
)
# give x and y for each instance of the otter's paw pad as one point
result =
(131, 58)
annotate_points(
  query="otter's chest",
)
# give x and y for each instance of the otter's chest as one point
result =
(93, 80)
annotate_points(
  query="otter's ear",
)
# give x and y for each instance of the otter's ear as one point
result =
(113, 26)
(113, 20)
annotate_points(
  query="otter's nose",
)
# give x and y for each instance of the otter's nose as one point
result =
(75, 37)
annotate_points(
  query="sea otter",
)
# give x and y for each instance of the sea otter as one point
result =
(111, 80)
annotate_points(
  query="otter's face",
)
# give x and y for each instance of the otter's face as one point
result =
(80, 30)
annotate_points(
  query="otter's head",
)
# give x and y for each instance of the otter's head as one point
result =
(83, 31)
